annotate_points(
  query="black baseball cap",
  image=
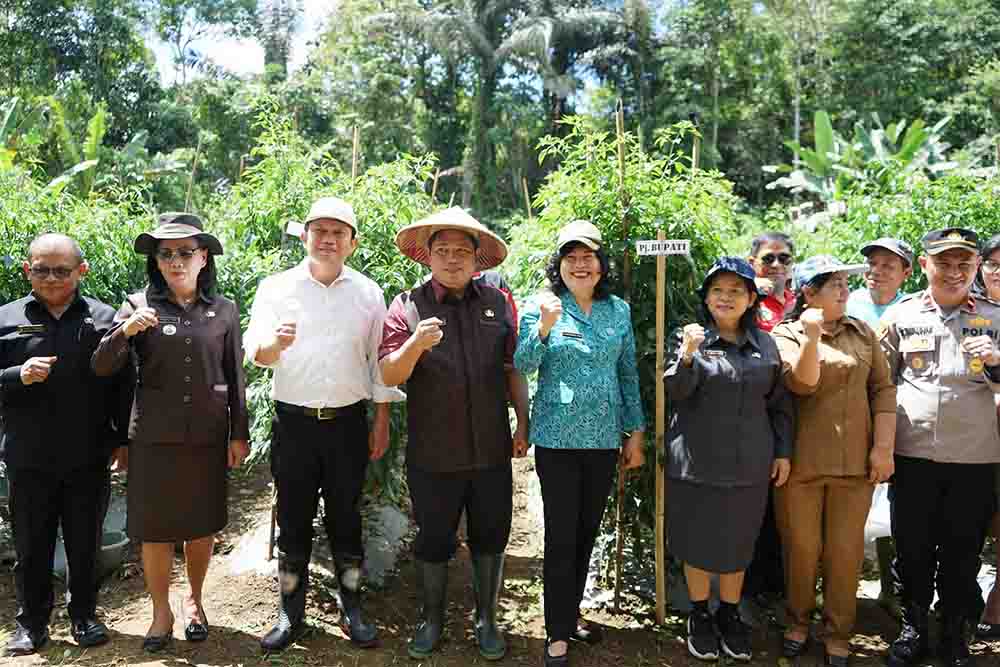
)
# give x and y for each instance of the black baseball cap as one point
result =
(950, 238)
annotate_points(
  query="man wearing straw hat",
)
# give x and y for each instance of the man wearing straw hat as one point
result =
(452, 341)
(319, 326)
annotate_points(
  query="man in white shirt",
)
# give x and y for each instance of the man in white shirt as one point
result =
(319, 327)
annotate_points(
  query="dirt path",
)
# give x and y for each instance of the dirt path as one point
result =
(242, 607)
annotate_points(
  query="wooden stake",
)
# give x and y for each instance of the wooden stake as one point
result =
(527, 197)
(194, 168)
(661, 319)
(627, 284)
(434, 188)
(695, 154)
(354, 159)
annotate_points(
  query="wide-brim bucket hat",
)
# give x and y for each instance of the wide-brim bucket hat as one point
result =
(172, 226)
(412, 240)
(814, 267)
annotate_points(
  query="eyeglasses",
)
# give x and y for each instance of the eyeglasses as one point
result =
(783, 258)
(58, 272)
(184, 254)
(989, 266)
(446, 253)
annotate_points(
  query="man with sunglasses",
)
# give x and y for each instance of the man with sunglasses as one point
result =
(943, 354)
(772, 255)
(60, 424)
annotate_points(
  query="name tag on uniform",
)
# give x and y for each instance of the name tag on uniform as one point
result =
(167, 319)
(31, 329)
(714, 354)
(572, 334)
(917, 344)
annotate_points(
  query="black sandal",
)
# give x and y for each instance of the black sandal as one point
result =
(831, 660)
(792, 648)
(553, 660)
(988, 630)
(196, 631)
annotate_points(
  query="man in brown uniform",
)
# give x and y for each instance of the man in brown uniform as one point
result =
(452, 341)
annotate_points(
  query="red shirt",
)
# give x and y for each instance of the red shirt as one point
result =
(772, 311)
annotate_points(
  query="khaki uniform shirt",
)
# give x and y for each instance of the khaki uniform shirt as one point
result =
(946, 410)
(834, 432)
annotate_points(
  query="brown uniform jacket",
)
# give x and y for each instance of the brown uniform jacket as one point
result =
(834, 433)
(191, 387)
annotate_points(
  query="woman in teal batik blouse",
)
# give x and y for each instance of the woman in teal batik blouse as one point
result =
(587, 407)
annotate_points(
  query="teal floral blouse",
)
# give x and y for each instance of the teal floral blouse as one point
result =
(588, 382)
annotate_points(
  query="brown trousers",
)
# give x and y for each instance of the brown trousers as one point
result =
(822, 519)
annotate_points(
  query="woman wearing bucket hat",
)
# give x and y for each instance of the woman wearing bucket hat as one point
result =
(731, 431)
(452, 339)
(587, 407)
(846, 404)
(189, 420)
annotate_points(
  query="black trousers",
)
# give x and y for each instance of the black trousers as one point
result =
(940, 517)
(310, 457)
(575, 487)
(103, 503)
(39, 501)
(438, 499)
(766, 572)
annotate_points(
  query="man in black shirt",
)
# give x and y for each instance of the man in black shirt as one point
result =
(60, 423)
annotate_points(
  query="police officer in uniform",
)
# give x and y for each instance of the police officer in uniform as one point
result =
(60, 422)
(452, 340)
(942, 349)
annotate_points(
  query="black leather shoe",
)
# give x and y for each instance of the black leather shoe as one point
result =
(89, 632)
(910, 647)
(553, 660)
(26, 642)
(588, 633)
(196, 631)
(157, 643)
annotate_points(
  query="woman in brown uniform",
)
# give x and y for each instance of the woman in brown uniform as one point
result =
(189, 420)
(844, 441)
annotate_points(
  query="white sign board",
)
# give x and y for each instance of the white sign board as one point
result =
(665, 247)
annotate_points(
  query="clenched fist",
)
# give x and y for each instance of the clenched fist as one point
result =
(550, 309)
(284, 334)
(36, 369)
(142, 319)
(982, 347)
(428, 333)
(812, 322)
(694, 336)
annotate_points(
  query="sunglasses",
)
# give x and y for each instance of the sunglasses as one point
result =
(58, 272)
(783, 258)
(184, 254)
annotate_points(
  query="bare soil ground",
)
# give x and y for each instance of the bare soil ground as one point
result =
(241, 608)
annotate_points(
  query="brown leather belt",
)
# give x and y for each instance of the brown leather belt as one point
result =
(321, 414)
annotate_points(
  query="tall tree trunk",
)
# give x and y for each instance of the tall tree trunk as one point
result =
(716, 75)
(478, 183)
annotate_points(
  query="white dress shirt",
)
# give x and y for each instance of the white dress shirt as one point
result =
(333, 361)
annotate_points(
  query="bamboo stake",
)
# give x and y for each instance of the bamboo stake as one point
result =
(451, 200)
(661, 319)
(527, 197)
(627, 283)
(354, 158)
(695, 154)
(434, 188)
(194, 168)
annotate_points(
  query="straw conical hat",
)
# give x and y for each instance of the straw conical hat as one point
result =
(412, 239)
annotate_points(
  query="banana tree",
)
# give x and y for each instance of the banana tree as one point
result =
(820, 173)
(15, 123)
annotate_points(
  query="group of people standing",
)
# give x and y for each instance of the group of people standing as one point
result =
(848, 390)
(787, 408)
(158, 389)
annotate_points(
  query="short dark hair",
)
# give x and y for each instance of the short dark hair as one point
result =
(603, 288)
(207, 279)
(771, 237)
(748, 320)
(48, 237)
(472, 237)
(988, 248)
(816, 283)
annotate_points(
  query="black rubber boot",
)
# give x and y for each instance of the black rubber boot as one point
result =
(293, 582)
(487, 581)
(349, 599)
(910, 647)
(434, 587)
(953, 648)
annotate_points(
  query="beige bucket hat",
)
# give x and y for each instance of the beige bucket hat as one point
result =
(170, 226)
(412, 239)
